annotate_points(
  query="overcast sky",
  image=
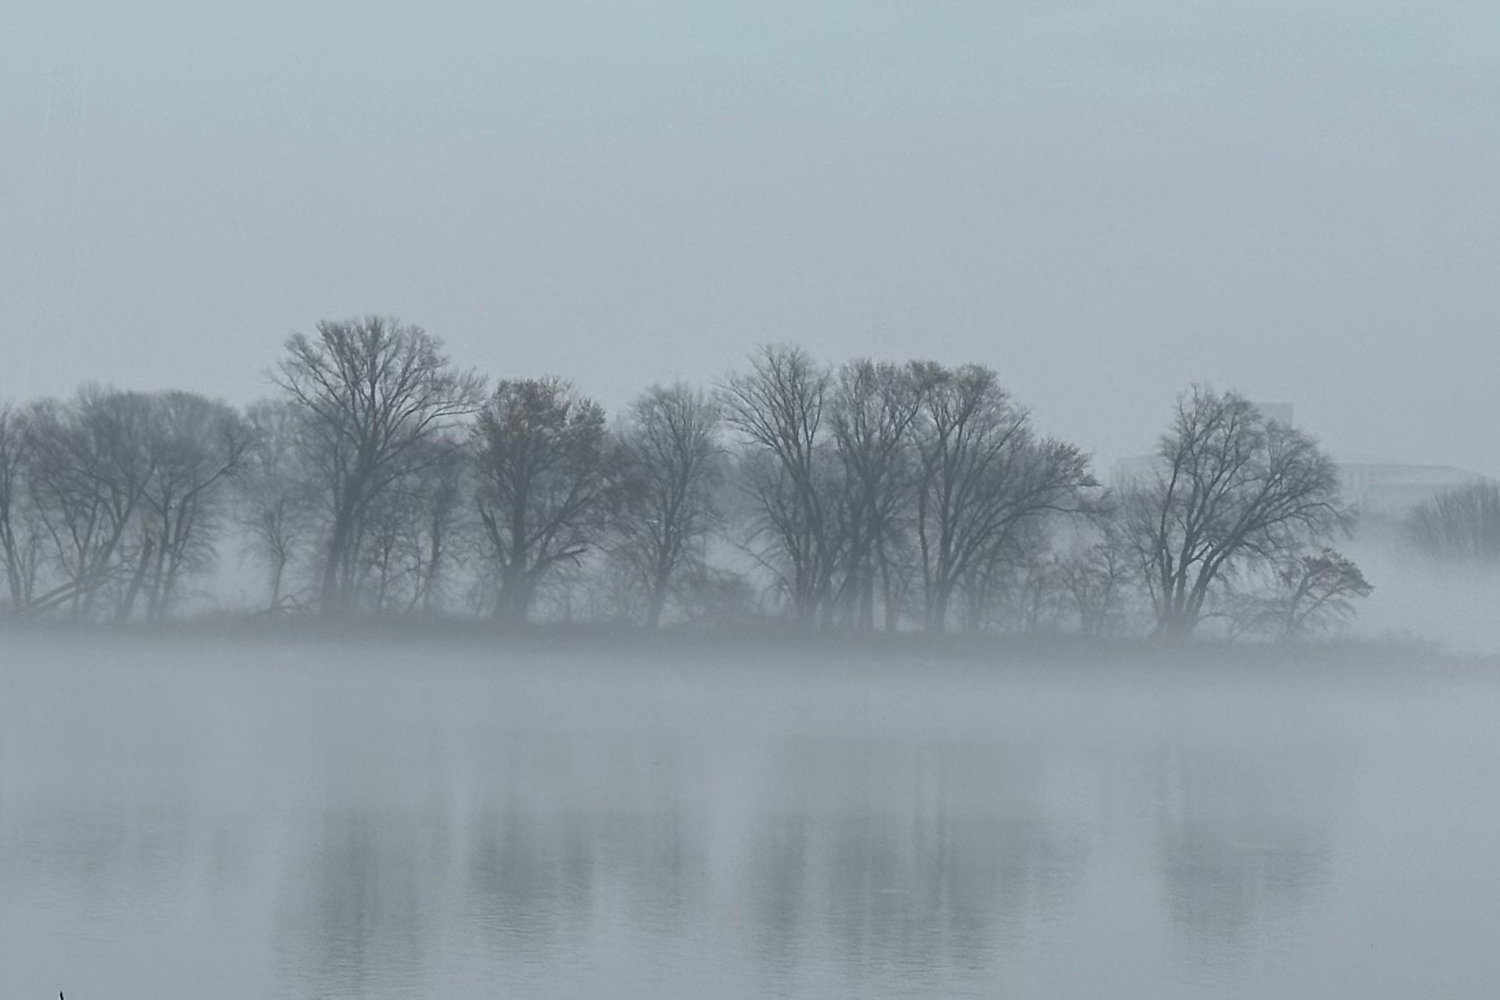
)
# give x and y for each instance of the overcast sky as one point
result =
(1105, 201)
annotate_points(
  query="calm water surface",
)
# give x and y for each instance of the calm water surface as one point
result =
(321, 821)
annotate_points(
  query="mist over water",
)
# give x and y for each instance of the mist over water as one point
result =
(411, 819)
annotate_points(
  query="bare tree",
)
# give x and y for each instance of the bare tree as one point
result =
(1016, 584)
(545, 479)
(1459, 523)
(436, 533)
(1310, 593)
(778, 409)
(1319, 590)
(112, 493)
(1097, 576)
(672, 473)
(90, 468)
(387, 573)
(1232, 490)
(874, 409)
(984, 473)
(374, 393)
(410, 533)
(194, 445)
(20, 535)
(275, 494)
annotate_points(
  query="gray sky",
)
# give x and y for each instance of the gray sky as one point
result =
(1105, 201)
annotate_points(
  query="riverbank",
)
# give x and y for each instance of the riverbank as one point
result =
(777, 645)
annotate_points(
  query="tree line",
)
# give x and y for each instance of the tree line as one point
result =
(1461, 523)
(379, 479)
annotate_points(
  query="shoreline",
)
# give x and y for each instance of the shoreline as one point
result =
(782, 645)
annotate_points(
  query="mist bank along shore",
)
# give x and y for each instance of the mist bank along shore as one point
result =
(772, 646)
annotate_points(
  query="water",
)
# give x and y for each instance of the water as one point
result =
(307, 820)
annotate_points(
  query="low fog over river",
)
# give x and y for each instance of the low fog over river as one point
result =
(415, 819)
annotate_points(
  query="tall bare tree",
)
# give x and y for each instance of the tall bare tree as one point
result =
(274, 490)
(545, 471)
(91, 466)
(434, 538)
(984, 473)
(1231, 490)
(195, 445)
(790, 475)
(113, 494)
(671, 476)
(374, 393)
(875, 406)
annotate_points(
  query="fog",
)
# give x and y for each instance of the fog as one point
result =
(284, 714)
(1104, 201)
(298, 818)
(1446, 605)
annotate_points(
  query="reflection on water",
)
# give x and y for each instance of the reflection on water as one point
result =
(1243, 840)
(353, 920)
(305, 828)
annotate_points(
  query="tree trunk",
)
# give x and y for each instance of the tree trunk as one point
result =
(278, 565)
(136, 579)
(333, 601)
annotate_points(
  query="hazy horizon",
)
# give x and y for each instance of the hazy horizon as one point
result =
(1105, 203)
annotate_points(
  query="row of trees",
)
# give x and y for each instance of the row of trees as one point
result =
(380, 479)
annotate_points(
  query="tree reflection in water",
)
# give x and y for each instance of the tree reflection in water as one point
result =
(1242, 834)
(919, 863)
